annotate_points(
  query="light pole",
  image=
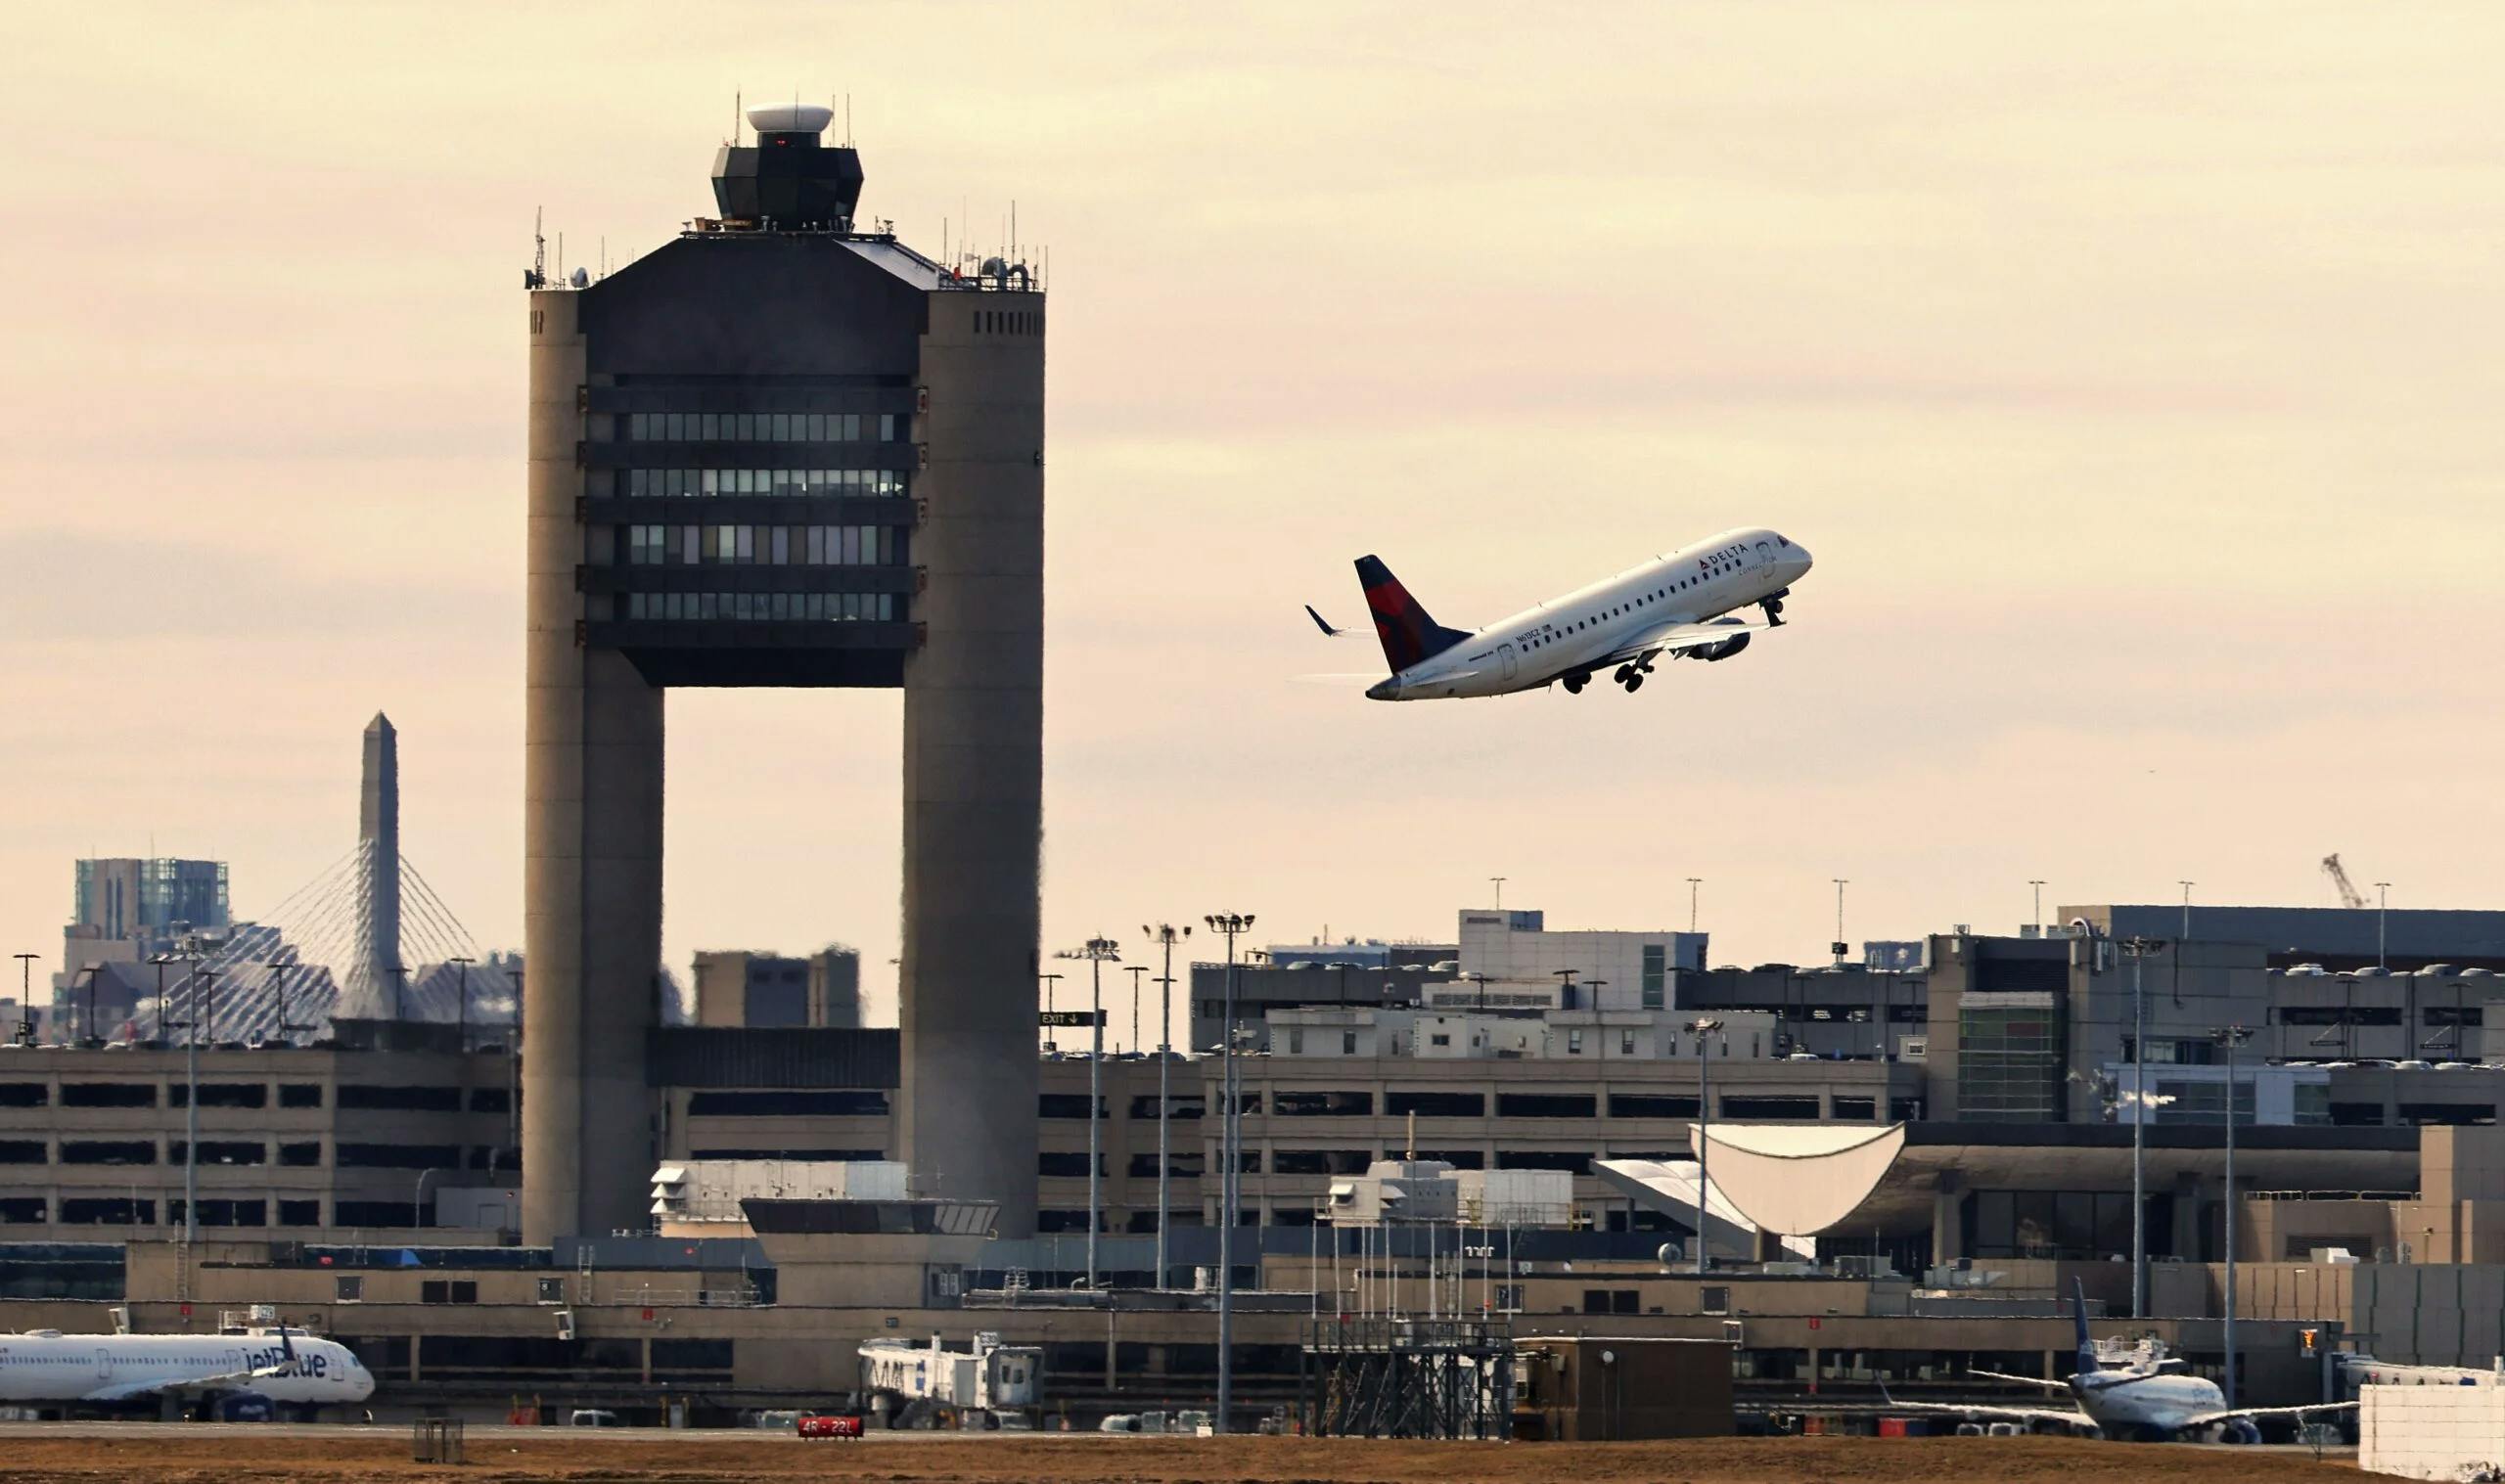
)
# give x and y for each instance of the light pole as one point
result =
(2039, 904)
(2137, 950)
(512, 1074)
(1050, 982)
(2231, 1037)
(25, 995)
(460, 1000)
(1693, 883)
(1500, 890)
(2383, 909)
(191, 1108)
(1841, 883)
(1164, 935)
(1230, 1135)
(1098, 952)
(1701, 1029)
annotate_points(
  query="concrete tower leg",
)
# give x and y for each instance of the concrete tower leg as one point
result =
(973, 771)
(592, 848)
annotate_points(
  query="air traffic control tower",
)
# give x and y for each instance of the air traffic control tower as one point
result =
(781, 451)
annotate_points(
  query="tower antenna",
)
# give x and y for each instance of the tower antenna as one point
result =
(539, 244)
(848, 121)
(738, 110)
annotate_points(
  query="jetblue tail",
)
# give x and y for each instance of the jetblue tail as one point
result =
(2079, 1317)
(1409, 634)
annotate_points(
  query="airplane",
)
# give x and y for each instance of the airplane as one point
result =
(2144, 1400)
(1680, 605)
(47, 1365)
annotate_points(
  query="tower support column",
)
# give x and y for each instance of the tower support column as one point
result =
(592, 848)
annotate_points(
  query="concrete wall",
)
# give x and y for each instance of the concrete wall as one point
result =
(974, 762)
(2429, 1432)
(592, 753)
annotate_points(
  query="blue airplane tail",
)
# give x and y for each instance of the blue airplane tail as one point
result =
(2078, 1319)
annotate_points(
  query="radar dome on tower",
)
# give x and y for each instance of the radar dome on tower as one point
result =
(791, 119)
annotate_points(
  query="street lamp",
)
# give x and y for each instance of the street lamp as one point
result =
(1050, 1009)
(1701, 1029)
(461, 997)
(2231, 1037)
(191, 1108)
(1098, 952)
(1230, 1138)
(2137, 950)
(25, 996)
(1164, 935)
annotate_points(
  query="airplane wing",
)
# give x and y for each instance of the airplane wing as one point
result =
(1319, 623)
(2205, 1419)
(124, 1391)
(2022, 1380)
(2070, 1417)
(1673, 637)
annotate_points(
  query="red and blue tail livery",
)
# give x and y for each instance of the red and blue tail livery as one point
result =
(1409, 634)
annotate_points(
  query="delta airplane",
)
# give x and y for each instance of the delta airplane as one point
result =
(47, 1365)
(1682, 604)
(2144, 1400)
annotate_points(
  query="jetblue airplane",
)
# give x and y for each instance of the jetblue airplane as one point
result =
(2146, 1400)
(47, 1365)
(1684, 603)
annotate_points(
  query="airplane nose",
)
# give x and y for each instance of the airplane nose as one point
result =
(1800, 561)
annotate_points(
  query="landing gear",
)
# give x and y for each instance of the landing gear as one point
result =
(1772, 603)
(1576, 682)
(1630, 676)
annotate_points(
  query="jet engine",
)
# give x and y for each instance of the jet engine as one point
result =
(1725, 650)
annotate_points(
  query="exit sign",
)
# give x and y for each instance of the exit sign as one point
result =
(1063, 1017)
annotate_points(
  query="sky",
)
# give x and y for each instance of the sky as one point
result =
(2129, 367)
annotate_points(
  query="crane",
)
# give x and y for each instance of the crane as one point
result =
(2349, 897)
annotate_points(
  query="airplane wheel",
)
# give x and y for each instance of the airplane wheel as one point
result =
(1574, 685)
(1624, 671)
(1634, 683)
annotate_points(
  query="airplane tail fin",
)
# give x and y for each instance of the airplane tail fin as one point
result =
(1409, 634)
(2078, 1319)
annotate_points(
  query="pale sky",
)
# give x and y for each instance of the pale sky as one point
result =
(2131, 370)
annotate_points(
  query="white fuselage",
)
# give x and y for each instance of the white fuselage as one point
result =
(2119, 1405)
(1584, 629)
(40, 1368)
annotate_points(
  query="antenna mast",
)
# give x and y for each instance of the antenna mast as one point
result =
(539, 244)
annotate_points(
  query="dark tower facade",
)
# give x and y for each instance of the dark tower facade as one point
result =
(781, 452)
